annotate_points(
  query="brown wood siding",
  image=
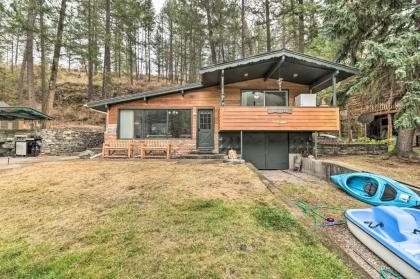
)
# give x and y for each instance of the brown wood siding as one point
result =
(258, 119)
(207, 98)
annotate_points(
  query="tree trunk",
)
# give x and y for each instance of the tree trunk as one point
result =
(90, 51)
(30, 54)
(404, 146)
(43, 56)
(267, 24)
(243, 29)
(12, 68)
(301, 28)
(149, 65)
(171, 50)
(21, 80)
(210, 33)
(106, 77)
(56, 58)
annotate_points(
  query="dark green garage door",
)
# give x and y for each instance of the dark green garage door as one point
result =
(267, 150)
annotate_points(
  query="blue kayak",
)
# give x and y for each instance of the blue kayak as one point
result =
(376, 189)
(392, 233)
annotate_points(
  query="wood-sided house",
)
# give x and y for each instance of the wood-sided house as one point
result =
(262, 106)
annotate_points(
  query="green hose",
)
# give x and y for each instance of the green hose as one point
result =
(385, 271)
(312, 212)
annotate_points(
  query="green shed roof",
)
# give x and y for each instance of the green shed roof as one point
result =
(11, 113)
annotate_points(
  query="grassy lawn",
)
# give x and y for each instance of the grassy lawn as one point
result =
(127, 219)
(395, 168)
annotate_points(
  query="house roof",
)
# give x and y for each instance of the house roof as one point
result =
(102, 104)
(11, 113)
(289, 65)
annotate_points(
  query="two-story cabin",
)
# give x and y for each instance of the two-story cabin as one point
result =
(263, 106)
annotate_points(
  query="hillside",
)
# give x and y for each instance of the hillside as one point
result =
(72, 94)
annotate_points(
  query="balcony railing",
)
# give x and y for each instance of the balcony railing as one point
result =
(242, 118)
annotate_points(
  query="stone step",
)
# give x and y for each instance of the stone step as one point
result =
(201, 151)
(203, 156)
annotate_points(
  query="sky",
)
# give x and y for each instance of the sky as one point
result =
(158, 5)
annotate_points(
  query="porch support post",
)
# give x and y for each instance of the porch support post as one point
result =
(323, 80)
(241, 145)
(389, 128)
(334, 93)
(222, 88)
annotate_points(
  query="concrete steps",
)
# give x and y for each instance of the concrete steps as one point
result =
(203, 156)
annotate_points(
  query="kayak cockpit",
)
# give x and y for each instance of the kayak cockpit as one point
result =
(363, 186)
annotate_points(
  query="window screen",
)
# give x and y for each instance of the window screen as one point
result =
(263, 98)
(157, 123)
(276, 98)
(126, 124)
(15, 124)
(179, 123)
(252, 98)
(4, 124)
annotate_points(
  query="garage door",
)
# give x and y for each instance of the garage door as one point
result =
(266, 150)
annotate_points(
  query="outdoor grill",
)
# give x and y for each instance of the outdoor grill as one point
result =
(27, 146)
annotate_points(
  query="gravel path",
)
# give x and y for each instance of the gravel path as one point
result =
(339, 235)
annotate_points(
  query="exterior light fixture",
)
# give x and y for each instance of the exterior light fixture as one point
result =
(295, 75)
(280, 81)
(246, 74)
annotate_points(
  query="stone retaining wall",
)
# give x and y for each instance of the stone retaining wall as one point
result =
(336, 149)
(69, 141)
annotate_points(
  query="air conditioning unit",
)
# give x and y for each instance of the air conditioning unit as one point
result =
(305, 100)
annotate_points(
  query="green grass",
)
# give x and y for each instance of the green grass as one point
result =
(169, 234)
(192, 239)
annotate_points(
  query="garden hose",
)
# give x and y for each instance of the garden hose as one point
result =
(313, 212)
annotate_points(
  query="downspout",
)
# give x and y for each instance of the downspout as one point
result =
(222, 87)
(241, 145)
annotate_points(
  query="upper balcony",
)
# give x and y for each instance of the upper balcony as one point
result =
(243, 118)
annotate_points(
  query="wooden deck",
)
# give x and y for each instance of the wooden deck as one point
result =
(237, 118)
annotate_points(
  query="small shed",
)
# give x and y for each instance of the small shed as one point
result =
(15, 118)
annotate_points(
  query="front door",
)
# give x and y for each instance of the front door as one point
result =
(205, 133)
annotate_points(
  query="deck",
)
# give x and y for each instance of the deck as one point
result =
(241, 118)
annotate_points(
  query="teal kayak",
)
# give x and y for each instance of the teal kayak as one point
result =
(376, 189)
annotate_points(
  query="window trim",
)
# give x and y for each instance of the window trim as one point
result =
(6, 127)
(167, 123)
(265, 90)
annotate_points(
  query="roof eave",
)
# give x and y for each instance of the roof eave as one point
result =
(278, 54)
(101, 105)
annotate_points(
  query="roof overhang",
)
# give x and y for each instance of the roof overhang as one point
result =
(288, 65)
(103, 104)
(11, 113)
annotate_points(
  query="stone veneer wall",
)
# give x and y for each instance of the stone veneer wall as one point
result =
(69, 141)
(334, 149)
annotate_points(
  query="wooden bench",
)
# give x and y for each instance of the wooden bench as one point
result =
(156, 149)
(117, 149)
